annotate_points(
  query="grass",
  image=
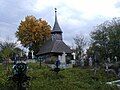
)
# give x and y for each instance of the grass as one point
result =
(69, 79)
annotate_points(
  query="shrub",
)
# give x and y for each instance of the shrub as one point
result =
(68, 79)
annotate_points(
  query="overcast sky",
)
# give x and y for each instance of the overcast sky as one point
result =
(74, 16)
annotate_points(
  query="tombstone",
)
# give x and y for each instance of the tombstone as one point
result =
(108, 59)
(82, 62)
(95, 68)
(63, 60)
(90, 62)
(27, 54)
(32, 54)
(95, 64)
(16, 58)
(19, 75)
(59, 57)
(73, 62)
(115, 58)
(73, 55)
(21, 54)
(106, 66)
(20, 67)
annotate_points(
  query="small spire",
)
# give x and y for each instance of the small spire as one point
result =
(56, 27)
(55, 14)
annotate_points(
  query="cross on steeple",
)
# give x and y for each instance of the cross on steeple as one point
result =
(55, 9)
(56, 17)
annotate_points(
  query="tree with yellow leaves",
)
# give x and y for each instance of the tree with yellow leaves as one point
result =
(33, 33)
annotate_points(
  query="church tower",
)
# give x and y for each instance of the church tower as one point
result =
(56, 32)
(55, 46)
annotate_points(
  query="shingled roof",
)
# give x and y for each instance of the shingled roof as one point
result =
(57, 46)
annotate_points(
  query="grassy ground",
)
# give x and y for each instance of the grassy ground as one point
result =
(69, 79)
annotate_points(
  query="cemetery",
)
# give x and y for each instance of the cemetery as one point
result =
(53, 65)
(72, 78)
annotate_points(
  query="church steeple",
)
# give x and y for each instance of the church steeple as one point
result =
(56, 32)
(56, 27)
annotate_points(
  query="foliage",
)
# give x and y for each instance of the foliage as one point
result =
(74, 78)
(33, 32)
(106, 40)
(68, 79)
(6, 52)
(4, 79)
(6, 49)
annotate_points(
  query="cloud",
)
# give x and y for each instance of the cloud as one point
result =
(7, 30)
(87, 8)
(92, 8)
(74, 16)
(117, 5)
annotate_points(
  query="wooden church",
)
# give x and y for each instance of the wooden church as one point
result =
(55, 47)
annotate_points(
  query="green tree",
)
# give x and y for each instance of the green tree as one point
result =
(33, 33)
(107, 35)
(6, 50)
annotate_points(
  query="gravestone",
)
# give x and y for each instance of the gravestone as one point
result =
(32, 54)
(63, 60)
(108, 59)
(19, 75)
(82, 62)
(90, 62)
(73, 56)
(115, 58)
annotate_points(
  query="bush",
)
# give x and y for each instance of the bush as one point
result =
(68, 79)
